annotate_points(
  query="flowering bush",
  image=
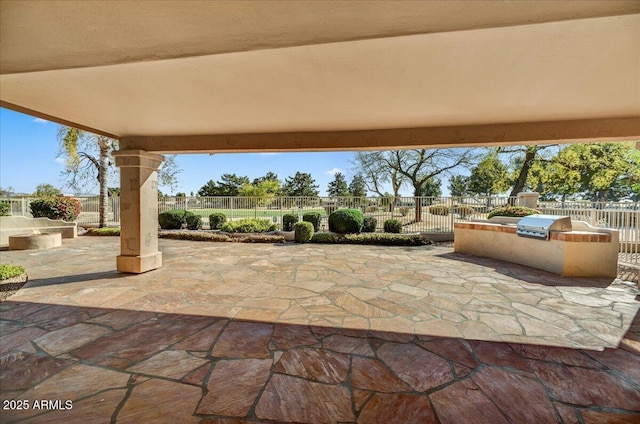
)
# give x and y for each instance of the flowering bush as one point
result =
(65, 208)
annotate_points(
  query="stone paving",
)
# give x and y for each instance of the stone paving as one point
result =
(228, 333)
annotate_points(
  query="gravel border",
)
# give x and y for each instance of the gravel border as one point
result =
(11, 285)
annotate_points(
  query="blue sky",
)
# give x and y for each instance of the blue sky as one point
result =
(29, 156)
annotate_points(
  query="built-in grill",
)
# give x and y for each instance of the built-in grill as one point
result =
(539, 226)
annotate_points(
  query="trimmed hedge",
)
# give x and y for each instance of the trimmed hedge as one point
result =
(194, 222)
(173, 219)
(513, 211)
(392, 226)
(314, 218)
(369, 224)
(288, 221)
(303, 231)
(65, 208)
(216, 220)
(346, 221)
(217, 237)
(372, 239)
(105, 231)
(439, 210)
(5, 209)
(248, 225)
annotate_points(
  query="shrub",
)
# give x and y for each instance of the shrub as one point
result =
(513, 211)
(369, 224)
(65, 208)
(217, 237)
(375, 239)
(194, 222)
(346, 221)
(314, 218)
(326, 238)
(385, 239)
(439, 210)
(465, 211)
(392, 226)
(216, 220)
(288, 221)
(173, 219)
(404, 211)
(5, 209)
(248, 225)
(106, 231)
(194, 236)
(9, 271)
(259, 238)
(304, 231)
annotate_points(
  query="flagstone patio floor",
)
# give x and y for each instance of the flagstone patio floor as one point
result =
(231, 332)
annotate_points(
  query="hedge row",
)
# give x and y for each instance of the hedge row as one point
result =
(513, 211)
(380, 239)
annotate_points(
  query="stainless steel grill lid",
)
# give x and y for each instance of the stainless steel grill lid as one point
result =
(540, 226)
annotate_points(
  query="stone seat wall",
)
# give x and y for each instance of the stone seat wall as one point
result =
(15, 225)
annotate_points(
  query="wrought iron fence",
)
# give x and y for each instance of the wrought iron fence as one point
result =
(424, 214)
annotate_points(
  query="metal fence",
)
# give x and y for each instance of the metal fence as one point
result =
(424, 214)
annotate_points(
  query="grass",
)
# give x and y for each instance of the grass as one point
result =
(8, 271)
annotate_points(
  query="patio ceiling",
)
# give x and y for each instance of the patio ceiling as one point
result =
(270, 76)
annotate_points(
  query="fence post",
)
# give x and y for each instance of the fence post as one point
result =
(529, 200)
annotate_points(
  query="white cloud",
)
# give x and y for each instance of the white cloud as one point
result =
(60, 160)
(334, 171)
(40, 121)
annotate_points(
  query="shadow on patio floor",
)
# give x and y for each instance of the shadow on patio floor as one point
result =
(143, 366)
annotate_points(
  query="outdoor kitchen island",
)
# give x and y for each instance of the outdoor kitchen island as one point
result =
(551, 243)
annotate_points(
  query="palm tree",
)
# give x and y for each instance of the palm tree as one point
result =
(81, 163)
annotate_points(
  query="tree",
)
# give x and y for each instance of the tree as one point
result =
(114, 191)
(338, 187)
(458, 185)
(418, 166)
(600, 172)
(261, 189)
(376, 173)
(209, 189)
(489, 177)
(357, 187)
(265, 189)
(302, 184)
(432, 188)
(89, 155)
(230, 184)
(46, 190)
(526, 158)
(6, 192)
(269, 176)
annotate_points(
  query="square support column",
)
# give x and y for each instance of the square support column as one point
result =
(138, 211)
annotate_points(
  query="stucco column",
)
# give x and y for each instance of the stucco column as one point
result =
(530, 200)
(138, 211)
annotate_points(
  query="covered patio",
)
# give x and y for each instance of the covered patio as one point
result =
(316, 333)
(227, 333)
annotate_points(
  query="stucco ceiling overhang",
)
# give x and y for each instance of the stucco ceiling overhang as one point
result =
(148, 70)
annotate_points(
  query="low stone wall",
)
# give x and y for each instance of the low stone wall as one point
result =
(584, 252)
(17, 225)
